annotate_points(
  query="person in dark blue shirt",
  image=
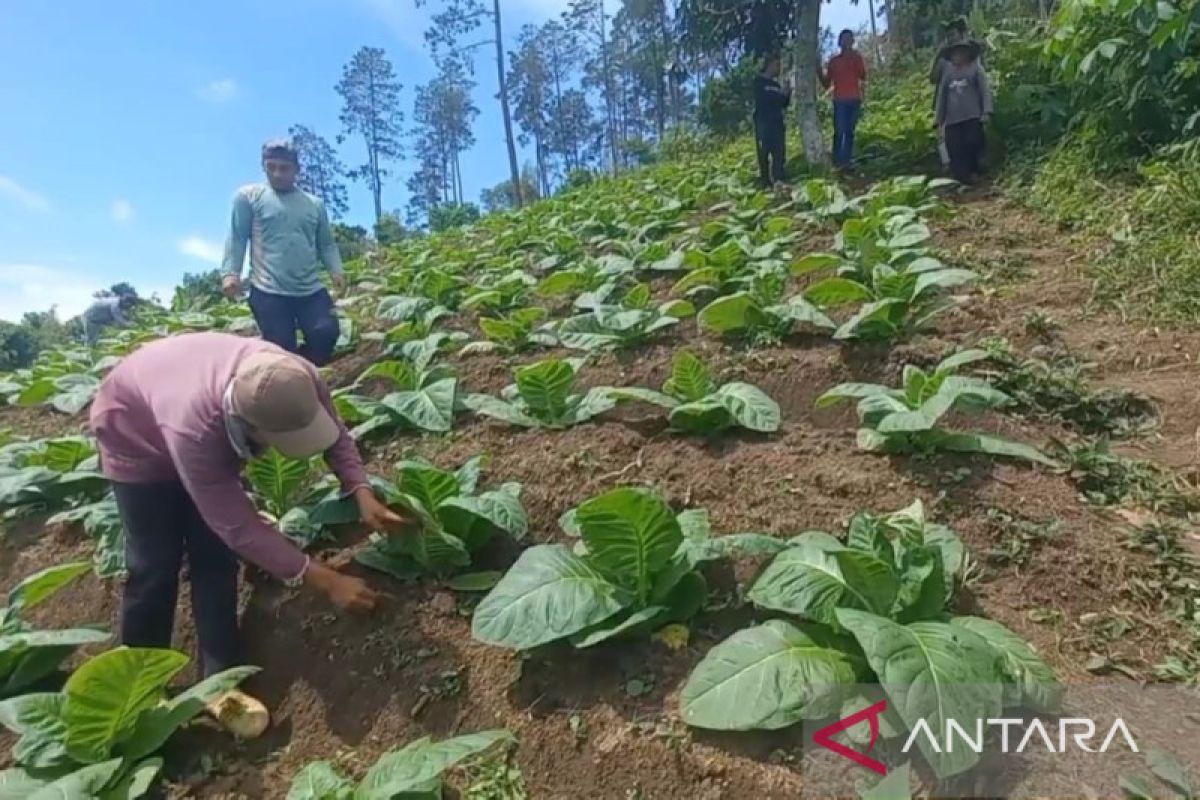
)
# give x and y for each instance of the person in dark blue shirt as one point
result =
(770, 134)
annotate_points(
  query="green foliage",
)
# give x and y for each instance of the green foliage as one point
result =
(453, 520)
(413, 772)
(727, 101)
(27, 654)
(452, 215)
(633, 571)
(698, 406)
(1130, 66)
(512, 333)
(49, 474)
(906, 420)
(426, 398)
(630, 322)
(542, 397)
(101, 731)
(873, 609)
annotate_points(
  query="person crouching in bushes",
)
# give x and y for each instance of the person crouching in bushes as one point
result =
(104, 313)
(964, 106)
(175, 422)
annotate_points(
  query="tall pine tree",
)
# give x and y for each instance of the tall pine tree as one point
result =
(371, 109)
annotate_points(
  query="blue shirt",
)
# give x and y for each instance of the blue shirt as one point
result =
(289, 238)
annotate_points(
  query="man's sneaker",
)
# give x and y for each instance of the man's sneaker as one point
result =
(240, 714)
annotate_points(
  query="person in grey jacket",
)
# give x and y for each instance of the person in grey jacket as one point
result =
(106, 311)
(964, 106)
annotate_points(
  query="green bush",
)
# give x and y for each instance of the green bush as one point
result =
(727, 101)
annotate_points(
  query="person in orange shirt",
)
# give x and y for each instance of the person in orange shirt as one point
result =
(846, 74)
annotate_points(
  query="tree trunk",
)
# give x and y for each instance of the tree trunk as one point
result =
(514, 170)
(808, 43)
(373, 150)
(875, 33)
(609, 104)
(1043, 10)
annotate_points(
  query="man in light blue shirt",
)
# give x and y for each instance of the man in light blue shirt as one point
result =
(290, 238)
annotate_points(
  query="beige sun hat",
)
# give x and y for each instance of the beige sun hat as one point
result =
(277, 397)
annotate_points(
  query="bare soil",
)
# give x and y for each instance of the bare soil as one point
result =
(348, 689)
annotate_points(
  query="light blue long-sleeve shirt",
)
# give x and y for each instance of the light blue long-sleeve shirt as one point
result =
(289, 237)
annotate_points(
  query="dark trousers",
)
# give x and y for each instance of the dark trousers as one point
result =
(771, 141)
(845, 123)
(278, 316)
(965, 144)
(161, 525)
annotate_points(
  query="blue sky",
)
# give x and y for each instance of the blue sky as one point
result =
(129, 124)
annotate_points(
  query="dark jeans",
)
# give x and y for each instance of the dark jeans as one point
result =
(771, 141)
(161, 525)
(965, 144)
(845, 121)
(278, 316)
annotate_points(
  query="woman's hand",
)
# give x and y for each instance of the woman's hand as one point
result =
(375, 515)
(345, 591)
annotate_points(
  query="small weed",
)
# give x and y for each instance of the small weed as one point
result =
(1172, 584)
(1057, 388)
(1017, 537)
(495, 779)
(1042, 325)
(1106, 478)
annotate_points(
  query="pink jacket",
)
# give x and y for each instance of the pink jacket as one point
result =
(159, 416)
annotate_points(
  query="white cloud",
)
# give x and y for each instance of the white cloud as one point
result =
(122, 211)
(37, 287)
(218, 91)
(22, 195)
(201, 248)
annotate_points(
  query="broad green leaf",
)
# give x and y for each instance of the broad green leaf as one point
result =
(931, 671)
(40, 586)
(37, 392)
(690, 378)
(728, 314)
(835, 292)
(66, 454)
(107, 694)
(30, 656)
(631, 534)
(415, 766)
(750, 407)
(319, 781)
(1036, 686)
(989, 445)
(430, 408)
(488, 406)
(400, 374)
(798, 309)
(399, 308)
(607, 630)
(813, 582)
(851, 391)
(544, 387)
(770, 676)
(701, 417)
(942, 279)
(870, 321)
(136, 783)
(814, 262)
(427, 484)
(157, 724)
(962, 359)
(17, 784)
(37, 719)
(474, 581)
(473, 519)
(547, 594)
(643, 395)
(82, 784)
(277, 479)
